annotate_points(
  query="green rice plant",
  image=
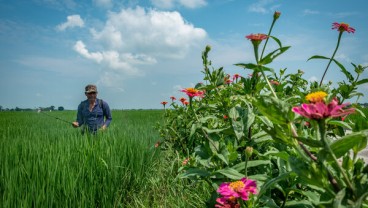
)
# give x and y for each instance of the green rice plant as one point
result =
(46, 163)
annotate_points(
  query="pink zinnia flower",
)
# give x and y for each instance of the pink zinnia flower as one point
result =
(320, 110)
(341, 27)
(238, 189)
(236, 77)
(257, 37)
(192, 92)
(227, 203)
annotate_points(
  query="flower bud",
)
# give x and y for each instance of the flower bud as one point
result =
(249, 151)
(276, 15)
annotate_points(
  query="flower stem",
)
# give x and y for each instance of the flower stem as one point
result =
(268, 36)
(333, 55)
(269, 84)
(322, 131)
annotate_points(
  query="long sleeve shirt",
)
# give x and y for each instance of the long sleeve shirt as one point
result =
(95, 119)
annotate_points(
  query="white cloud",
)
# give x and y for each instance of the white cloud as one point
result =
(164, 4)
(193, 3)
(263, 6)
(168, 4)
(72, 21)
(310, 12)
(132, 38)
(81, 49)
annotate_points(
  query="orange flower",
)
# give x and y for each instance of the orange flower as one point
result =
(342, 27)
(192, 92)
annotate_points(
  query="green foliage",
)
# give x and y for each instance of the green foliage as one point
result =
(296, 161)
(47, 163)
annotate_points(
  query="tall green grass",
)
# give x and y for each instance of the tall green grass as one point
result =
(44, 162)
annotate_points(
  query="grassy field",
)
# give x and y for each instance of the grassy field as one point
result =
(44, 162)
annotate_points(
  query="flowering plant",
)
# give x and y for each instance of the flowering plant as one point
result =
(285, 141)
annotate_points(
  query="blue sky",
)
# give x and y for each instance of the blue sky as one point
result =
(140, 53)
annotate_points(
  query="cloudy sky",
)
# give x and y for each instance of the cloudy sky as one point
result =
(141, 52)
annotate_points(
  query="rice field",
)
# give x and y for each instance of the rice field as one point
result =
(44, 162)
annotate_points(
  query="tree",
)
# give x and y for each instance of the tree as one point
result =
(60, 108)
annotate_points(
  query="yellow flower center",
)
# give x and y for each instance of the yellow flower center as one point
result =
(237, 185)
(315, 97)
(192, 90)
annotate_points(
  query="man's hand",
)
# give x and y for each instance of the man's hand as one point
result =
(103, 127)
(75, 124)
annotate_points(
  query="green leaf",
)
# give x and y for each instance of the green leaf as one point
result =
(363, 81)
(310, 142)
(241, 120)
(298, 204)
(267, 185)
(194, 172)
(231, 173)
(342, 146)
(271, 56)
(347, 74)
(339, 197)
(339, 123)
(277, 41)
(252, 163)
(247, 66)
(317, 57)
(278, 111)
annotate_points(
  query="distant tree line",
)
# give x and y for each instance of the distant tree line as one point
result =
(51, 108)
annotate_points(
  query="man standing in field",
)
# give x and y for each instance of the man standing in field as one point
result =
(93, 113)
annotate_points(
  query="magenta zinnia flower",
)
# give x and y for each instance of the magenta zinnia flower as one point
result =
(341, 27)
(320, 110)
(238, 189)
(227, 203)
(192, 92)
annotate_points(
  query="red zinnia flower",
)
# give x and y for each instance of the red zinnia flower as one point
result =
(192, 92)
(164, 103)
(182, 100)
(172, 98)
(257, 37)
(342, 27)
(186, 103)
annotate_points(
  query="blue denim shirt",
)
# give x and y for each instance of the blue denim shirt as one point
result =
(96, 118)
